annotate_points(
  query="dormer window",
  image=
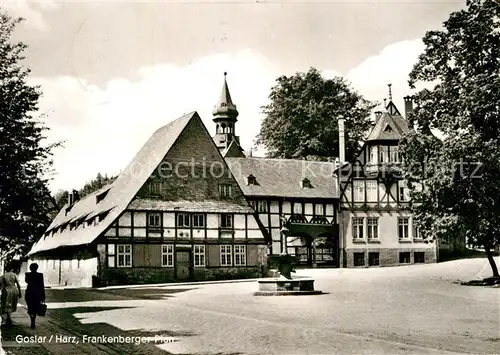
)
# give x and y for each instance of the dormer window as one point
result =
(101, 196)
(251, 180)
(306, 183)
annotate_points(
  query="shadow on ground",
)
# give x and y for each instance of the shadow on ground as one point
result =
(89, 294)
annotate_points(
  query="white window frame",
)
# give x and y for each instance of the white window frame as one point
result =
(373, 155)
(152, 216)
(53, 264)
(358, 190)
(371, 190)
(394, 154)
(402, 223)
(297, 208)
(122, 251)
(198, 220)
(224, 218)
(111, 254)
(319, 209)
(226, 255)
(372, 228)
(183, 220)
(358, 224)
(383, 154)
(167, 254)
(240, 258)
(225, 190)
(199, 255)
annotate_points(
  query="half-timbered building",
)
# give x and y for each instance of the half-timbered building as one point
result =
(376, 225)
(175, 213)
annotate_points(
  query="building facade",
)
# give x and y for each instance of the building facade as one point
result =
(377, 226)
(194, 207)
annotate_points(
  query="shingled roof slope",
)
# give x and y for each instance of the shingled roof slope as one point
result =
(398, 127)
(284, 177)
(120, 194)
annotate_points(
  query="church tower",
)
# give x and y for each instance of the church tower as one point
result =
(225, 117)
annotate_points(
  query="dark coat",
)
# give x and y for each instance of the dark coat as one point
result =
(35, 291)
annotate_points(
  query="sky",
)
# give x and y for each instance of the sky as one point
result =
(112, 72)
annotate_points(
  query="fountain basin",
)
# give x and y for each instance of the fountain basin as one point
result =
(281, 286)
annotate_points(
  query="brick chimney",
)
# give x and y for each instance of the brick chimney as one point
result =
(408, 106)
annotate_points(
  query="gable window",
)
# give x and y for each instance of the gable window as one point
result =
(403, 228)
(154, 220)
(167, 255)
(124, 255)
(199, 220)
(226, 220)
(251, 180)
(239, 255)
(155, 187)
(359, 190)
(357, 228)
(225, 190)
(371, 190)
(183, 220)
(225, 255)
(263, 206)
(199, 255)
(372, 228)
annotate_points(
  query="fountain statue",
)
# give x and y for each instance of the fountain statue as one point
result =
(285, 284)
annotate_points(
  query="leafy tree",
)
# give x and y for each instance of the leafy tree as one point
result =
(301, 120)
(25, 200)
(460, 172)
(96, 184)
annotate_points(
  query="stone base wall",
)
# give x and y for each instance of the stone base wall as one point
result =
(389, 257)
(145, 275)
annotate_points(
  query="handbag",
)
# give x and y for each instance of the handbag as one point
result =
(42, 310)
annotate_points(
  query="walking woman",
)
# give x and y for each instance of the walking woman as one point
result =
(11, 291)
(35, 292)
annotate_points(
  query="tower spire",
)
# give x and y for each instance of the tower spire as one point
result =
(390, 91)
(225, 107)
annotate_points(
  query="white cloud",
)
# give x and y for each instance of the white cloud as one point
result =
(391, 65)
(31, 11)
(105, 127)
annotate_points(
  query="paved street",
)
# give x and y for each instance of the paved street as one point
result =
(412, 309)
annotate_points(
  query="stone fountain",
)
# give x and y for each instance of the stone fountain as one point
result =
(285, 285)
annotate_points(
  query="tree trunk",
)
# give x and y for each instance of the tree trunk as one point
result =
(493, 265)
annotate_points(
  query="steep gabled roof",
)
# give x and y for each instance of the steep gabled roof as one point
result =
(388, 127)
(284, 177)
(233, 151)
(120, 194)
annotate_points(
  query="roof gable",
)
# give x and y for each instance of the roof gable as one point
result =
(233, 151)
(120, 193)
(388, 127)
